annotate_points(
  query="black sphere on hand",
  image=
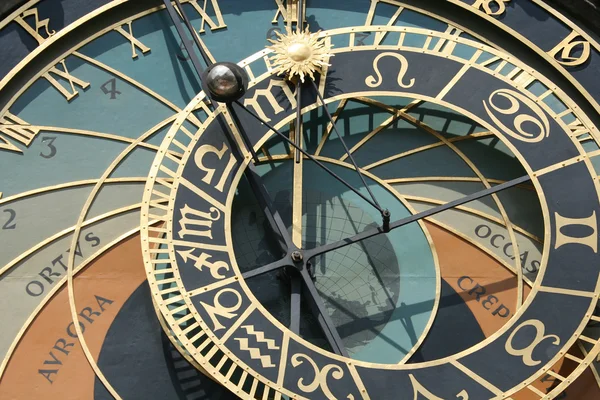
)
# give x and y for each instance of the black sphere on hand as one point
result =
(225, 82)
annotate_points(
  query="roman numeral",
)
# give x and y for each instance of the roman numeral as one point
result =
(288, 9)
(16, 129)
(66, 76)
(206, 19)
(379, 36)
(38, 26)
(446, 46)
(135, 43)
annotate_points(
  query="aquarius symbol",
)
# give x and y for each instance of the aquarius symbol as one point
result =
(260, 337)
(255, 354)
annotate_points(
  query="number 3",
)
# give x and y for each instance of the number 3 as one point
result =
(48, 142)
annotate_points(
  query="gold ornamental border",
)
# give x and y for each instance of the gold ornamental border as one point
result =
(549, 59)
(85, 20)
(114, 3)
(263, 55)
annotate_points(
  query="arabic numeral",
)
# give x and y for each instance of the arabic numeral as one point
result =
(110, 87)
(183, 55)
(12, 214)
(48, 141)
(272, 33)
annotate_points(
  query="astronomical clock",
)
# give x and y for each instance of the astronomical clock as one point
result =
(298, 199)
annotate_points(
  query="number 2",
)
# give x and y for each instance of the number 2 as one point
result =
(9, 224)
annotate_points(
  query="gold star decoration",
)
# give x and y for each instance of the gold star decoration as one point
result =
(299, 54)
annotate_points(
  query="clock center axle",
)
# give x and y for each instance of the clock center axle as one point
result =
(297, 256)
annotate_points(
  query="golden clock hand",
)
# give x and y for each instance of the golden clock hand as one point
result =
(297, 179)
(299, 164)
(296, 281)
(309, 254)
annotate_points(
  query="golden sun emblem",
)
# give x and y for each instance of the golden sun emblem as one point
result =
(299, 54)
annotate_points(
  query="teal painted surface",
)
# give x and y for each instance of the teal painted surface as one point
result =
(380, 295)
(166, 71)
(77, 158)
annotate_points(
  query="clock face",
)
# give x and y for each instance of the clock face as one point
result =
(298, 199)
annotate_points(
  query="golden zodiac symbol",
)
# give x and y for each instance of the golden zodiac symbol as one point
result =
(590, 240)
(255, 354)
(527, 352)
(566, 50)
(270, 97)
(486, 5)
(320, 376)
(197, 223)
(202, 261)
(373, 82)
(210, 172)
(515, 100)
(38, 25)
(421, 390)
(220, 310)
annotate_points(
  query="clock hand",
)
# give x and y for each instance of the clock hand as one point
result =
(299, 164)
(385, 214)
(329, 329)
(295, 304)
(310, 157)
(296, 280)
(323, 317)
(309, 254)
(186, 43)
(273, 218)
(299, 274)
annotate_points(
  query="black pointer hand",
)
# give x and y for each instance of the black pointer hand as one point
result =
(266, 203)
(309, 254)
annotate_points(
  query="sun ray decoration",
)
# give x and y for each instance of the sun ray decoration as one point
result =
(299, 54)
